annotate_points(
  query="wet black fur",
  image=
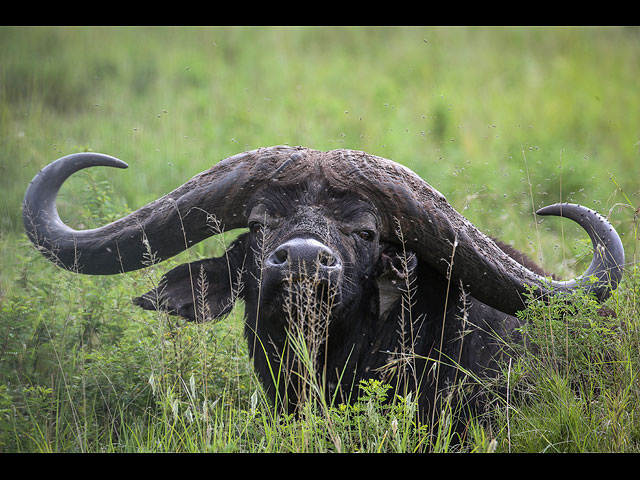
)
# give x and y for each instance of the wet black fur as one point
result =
(444, 326)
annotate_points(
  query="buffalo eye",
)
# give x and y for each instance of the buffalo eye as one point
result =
(255, 227)
(365, 234)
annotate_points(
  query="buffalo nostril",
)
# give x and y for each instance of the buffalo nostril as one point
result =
(326, 259)
(304, 251)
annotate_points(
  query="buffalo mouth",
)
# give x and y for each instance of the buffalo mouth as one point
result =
(302, 269)
(301, 294)
(303, 285)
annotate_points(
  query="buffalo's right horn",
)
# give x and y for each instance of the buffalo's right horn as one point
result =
(170, 224)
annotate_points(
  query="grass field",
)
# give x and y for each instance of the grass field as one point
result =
(502, 121)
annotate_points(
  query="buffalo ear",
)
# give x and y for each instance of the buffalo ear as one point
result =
(394, 274)
(202, 290)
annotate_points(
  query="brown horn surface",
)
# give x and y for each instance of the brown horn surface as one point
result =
(430, 226)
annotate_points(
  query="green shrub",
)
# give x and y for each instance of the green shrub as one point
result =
(574, 388)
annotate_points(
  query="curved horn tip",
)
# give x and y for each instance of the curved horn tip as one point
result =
(555, 209)
(95, 159)
(608, 260)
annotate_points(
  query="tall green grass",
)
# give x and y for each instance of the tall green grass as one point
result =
(500, 120)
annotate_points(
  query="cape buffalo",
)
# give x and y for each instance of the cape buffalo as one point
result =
(352, 267)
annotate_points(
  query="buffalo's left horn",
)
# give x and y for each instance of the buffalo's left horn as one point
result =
(440, 235)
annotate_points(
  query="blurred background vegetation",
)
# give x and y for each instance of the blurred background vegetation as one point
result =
(502, 121)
